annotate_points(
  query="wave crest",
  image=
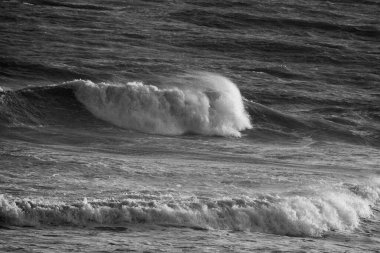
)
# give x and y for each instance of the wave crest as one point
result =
(201, 103)
(313, 215)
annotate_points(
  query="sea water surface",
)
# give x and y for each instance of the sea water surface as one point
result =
(189, 126)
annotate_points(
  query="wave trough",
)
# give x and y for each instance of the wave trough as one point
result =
(200, 103)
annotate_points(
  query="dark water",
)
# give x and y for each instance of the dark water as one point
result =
(221, 126)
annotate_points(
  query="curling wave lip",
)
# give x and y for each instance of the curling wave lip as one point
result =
(201, 103)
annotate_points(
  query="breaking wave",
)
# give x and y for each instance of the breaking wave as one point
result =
(201, 103)
(198, 103)
(340, 210)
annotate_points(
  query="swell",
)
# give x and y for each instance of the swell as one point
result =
(271, 122)
(241, 20)
(308, 215)
(202, 103)
(43, 106)
(68, 5)
(10, 67)
(175, 110)
(240, 3)
(269, 48)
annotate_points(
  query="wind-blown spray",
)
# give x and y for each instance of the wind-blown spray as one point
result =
(201, 103)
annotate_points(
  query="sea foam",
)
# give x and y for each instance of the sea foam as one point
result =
(313, 215)
(201, 103)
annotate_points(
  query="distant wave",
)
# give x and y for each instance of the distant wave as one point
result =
(201, 103)
(309, 215)
(229, 20)
(34, 71)
(278, 124)
(195, 103)
(68, 5)
(43, 106)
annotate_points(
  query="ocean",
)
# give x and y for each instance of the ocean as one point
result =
(189, 126)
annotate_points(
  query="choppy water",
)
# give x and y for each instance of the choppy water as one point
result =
(189, 126)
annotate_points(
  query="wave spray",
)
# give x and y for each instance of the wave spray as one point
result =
(201, 103)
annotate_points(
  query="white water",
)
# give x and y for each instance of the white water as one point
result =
(311, 215)
(201, 103)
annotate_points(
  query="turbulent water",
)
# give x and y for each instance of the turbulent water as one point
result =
(189, 126)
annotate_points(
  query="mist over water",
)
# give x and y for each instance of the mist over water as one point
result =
(194, 126)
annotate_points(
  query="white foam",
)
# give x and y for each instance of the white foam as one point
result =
(201, 103)
(340, 210)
